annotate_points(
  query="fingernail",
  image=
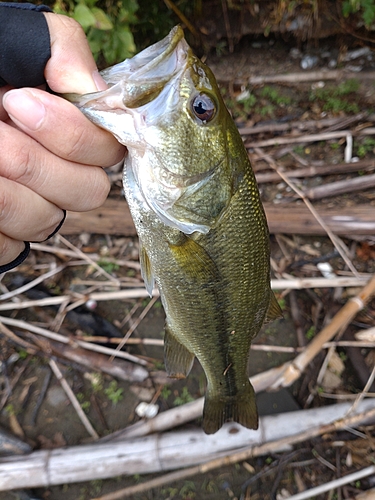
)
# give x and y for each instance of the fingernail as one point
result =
(99, 82)
(24, 108)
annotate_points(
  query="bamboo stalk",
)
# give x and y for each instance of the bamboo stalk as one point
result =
(133, 293)
(293, 370)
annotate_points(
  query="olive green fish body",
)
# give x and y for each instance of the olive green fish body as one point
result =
(215, 291)
(196, 207)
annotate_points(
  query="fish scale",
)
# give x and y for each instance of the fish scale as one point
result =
(196, 208)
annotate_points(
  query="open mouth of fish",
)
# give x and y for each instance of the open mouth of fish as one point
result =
(139, 80)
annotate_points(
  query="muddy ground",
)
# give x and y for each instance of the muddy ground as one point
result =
(50, 421)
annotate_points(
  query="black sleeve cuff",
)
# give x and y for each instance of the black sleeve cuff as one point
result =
(18, 260)
(25, 44)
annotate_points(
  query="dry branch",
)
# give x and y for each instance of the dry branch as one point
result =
(331, 485)
(174, 450)
(339, 245)
(136, 293)
(23, 325)
(288, 219)
(72, 398)
(330, 123)
(341, 187)
(93, 361)
(312, 171)
(323, 136)
(293, 370)
(308, 76)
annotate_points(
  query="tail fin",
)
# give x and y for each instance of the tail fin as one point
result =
(240, 408)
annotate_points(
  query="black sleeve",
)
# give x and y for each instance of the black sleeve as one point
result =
(24, 52)
(24, 44)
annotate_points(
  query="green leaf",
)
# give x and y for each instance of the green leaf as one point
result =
(84, 16)
(127, 46)
(102, 21)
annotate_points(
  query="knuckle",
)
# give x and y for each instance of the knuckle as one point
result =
(5, 205)
(77, 144)
(24, 158)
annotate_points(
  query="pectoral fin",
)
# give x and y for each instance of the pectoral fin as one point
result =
(177, 359)
(194, 260)
(274, 311)
(146, 270)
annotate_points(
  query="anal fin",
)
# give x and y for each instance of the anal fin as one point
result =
(274, 311)
(177, 359)
(146, 270)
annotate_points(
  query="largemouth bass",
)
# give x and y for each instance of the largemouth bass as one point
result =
(195, 204)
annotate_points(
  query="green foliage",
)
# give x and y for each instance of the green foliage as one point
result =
(310, 333)
(96, 380)
(22, 353)
(108, 26)
(114, 393)
(273, 95)
(334, 98)
(165, 393)
(248, 103)
(109, 267)
(85, 405)
(366, 9)
(263, 102)
(367, 146)
(188, 490)
(183, 398)
(155, 19)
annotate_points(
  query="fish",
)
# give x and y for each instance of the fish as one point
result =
(202, 230)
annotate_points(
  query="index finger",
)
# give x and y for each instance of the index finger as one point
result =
(61, 128)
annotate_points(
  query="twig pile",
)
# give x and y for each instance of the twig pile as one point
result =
(331, 276)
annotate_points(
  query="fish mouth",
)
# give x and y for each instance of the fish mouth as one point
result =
(139, 80)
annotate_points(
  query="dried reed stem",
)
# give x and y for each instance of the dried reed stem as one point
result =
(72, 398)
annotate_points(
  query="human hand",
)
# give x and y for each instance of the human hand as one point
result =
(51, 155)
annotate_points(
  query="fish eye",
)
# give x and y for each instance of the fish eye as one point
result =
(203, 107)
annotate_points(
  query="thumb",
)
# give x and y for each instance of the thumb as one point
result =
(71, 68)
